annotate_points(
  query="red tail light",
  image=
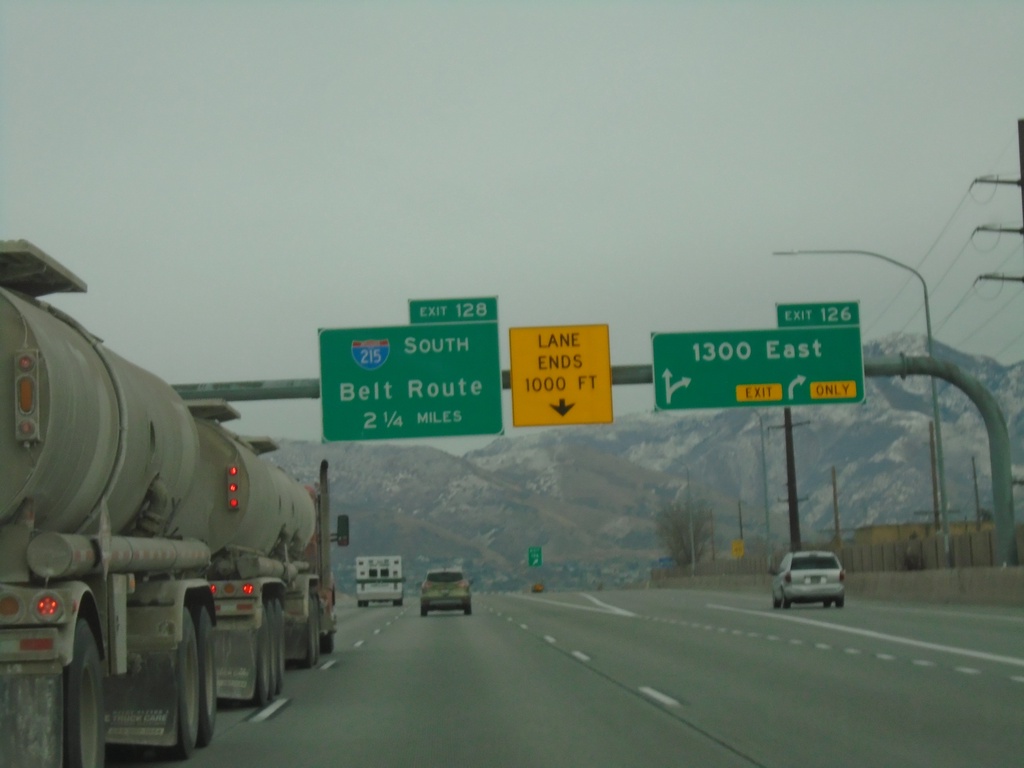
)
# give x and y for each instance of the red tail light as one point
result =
(233, 503)
(213, 589)
(49, 608)
(842, 575)
(788, 578)
(248, 589)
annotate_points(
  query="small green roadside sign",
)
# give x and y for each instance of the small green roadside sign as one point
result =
(453, 310)
(781, 367)
(427, 380)
(832, 313)
(533, 557)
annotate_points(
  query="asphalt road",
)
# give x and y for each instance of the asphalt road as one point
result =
(647, 678)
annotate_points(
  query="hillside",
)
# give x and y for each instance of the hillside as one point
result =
(588, 495)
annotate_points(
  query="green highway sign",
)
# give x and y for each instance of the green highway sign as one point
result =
(782, 367)
(428, 380)
(533, 557)
(833, 313)
(453, 310)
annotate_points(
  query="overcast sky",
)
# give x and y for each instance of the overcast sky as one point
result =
(229, 177)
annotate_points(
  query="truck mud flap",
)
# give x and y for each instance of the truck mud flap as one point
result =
(142, 706)
(31, 713)
(235, 651)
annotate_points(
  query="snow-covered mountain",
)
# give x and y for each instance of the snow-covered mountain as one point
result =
(589, 495)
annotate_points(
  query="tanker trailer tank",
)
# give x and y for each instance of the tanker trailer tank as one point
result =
(259, 523)
(98, 596)
(99, 433)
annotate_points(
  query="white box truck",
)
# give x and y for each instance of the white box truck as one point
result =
(379, 579)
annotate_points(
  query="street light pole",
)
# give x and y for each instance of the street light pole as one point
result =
(943, 501)
(689, 512)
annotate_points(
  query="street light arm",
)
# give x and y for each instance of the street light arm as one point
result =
(883, 257)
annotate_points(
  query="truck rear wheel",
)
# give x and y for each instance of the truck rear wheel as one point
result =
(277, 632)
(327, 643)
(264, 693)
(207, 679)
(188, 686)
(312, 634)
(83, 704)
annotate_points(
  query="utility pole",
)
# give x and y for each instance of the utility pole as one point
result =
(835, 510)
(935, 477)
(794, 512)
(739, 504)
(1018, 183)
(977, 501)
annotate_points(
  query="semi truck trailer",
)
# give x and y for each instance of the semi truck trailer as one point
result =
(151, 562)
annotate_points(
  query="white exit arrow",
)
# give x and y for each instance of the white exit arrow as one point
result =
(670, 388)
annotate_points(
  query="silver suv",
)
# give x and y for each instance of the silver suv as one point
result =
(809, 577)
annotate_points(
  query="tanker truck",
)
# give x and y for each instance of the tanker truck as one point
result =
(150, 561)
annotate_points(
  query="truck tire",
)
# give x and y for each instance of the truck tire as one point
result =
(264, 693)
(187, 683)
(312, 634)
(84, 733)
(326, 643)
(207, 679)
(277, 631)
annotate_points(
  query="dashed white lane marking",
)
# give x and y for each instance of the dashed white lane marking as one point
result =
(923, 663)
(549, 638)
(852, 651)
(968, 670)
(523, 626)
(659, 697)
(266, 712)
(885, 657)
(982, 655)
(376, 631)
(328, 664)
(358, 643)
(1018, 678)
(581, 656)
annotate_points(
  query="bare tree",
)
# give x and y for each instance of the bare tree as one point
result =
(673, 526)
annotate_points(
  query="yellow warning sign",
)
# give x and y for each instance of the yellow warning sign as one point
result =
(560, 375)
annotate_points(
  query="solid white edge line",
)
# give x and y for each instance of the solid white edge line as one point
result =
(659, 697)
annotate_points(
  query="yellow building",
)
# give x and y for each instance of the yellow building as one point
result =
(884, 534)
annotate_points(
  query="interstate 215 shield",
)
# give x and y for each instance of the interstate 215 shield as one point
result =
(370, 354)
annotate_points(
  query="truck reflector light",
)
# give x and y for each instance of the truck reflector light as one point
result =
(248, 589)
(213, 589)
(36, 644)
(26, 366)
(26, 395)
(10, 608)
